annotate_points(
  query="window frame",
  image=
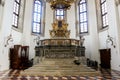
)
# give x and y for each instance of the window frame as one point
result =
(83, 21)
(58, 15)
(37, 22)
(104, 14)
(15, 13)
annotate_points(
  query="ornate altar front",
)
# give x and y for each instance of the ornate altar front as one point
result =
(60, 45)
(60, 48)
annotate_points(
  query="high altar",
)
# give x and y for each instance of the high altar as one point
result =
(60, 30)
(60, 45)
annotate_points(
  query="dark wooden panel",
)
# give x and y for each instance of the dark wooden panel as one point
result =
(105, 57)
(15, 57)
(19, 57)
(24, 57)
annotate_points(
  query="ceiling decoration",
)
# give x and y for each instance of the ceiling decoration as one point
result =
(61, 4)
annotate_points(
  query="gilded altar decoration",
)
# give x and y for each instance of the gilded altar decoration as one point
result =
(59, 30)
(60, 4)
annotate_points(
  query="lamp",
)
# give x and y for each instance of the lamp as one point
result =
(8, 40)
(110, 39)
(60, 4)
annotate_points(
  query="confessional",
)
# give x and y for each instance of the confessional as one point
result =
(19, 57)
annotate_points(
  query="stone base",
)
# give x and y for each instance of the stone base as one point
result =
(60, 67)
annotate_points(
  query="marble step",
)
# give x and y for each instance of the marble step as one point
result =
(60, 70)
(58, 73)
(59, 67)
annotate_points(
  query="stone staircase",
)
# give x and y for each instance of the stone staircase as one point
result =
(59, 67)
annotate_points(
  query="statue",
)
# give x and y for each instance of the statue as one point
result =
(54, 25)
(81, 40)
(37, 40)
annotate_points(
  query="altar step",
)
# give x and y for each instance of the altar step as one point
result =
(57, 61)
(59, 67)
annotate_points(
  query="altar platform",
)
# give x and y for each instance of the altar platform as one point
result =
(60, 45)
(60, 48)
(59, 67)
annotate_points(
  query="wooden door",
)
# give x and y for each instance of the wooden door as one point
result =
(105, 57)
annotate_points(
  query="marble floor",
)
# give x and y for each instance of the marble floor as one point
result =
(106, 75)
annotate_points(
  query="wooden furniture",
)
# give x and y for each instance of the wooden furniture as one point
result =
(19, 57)
(24, 57)
(15, 57)
(105, 57)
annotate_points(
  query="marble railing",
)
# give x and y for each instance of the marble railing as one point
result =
(60, 42)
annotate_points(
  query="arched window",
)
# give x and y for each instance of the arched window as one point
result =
(104, 13)
(16, 12)
(83, 20)
(37, 17)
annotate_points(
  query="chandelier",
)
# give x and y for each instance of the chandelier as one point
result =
(60, 4)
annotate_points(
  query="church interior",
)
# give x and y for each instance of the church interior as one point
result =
(59, 39)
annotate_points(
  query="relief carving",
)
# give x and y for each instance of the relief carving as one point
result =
(59, 30)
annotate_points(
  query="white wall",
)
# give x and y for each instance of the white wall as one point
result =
(27, 38)
(118, 29)
(1, 14)
(71, 21)
(48, 21)
(113, 32)
(5, 32)
(23, 38)
(91, 40)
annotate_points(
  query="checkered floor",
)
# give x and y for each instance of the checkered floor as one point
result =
(106, 75)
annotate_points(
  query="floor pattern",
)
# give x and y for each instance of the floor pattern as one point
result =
(106, 75)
